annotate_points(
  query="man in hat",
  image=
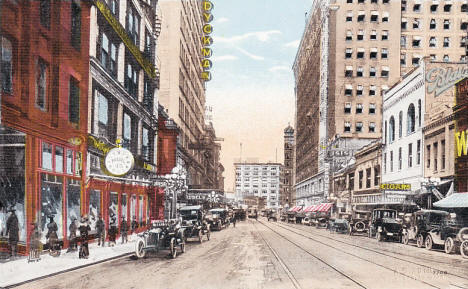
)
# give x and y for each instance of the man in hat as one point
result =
(124, 230)
(72, 240)
(84, 229)
(12, 230)
(52, 236)
(112, 230)
(100, 233)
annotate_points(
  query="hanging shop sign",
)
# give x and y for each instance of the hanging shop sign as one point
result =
(440, 79)
(119, 161)
(207, 40)
(461, 139)
(395, 187)
(99, 144)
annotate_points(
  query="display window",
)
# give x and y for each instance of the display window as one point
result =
(51, 203)
(124, 206)
(94, 208)
(58, 159)
(113, 208)
(73, 201)
(133, 203)
(140, 211)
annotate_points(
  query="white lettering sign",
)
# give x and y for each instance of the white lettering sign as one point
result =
(440, 79)
(119, 161)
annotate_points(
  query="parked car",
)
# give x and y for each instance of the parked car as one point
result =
(359, 223)
(272, 215)
(194, 223)
(291, 217)
(321, 219)
(339, 226)
(384, 225)
(420, 223)
(166, 234)
(450, 235)
(307, 220)
(218, 218)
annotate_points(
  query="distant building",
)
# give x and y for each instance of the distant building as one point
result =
(287, 194)
(260, 180)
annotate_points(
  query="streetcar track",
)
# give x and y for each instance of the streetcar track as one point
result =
(375, 251)
(380, 265)
(316, 257)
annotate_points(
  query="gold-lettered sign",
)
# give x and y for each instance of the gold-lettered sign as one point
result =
(395, 187)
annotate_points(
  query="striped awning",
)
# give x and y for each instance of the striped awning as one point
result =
(324, 207)
(295, 209)
(309, 209)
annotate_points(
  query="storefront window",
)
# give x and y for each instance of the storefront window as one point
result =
(12, 179)
(94, 208)
(78, 164)
(59, 159)
(46, 156)
(69, 162)
(73, 201)
(133, 207)
(113, 207)
(51, 203)
(147, 211)
(140, 211)
(124, 206)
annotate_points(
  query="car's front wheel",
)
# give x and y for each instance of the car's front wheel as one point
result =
(420, 241)
(464, 249)
(173, 249)
(140, 251)
(429, 243)
(405, 239)
(449, 245)
(182, 247)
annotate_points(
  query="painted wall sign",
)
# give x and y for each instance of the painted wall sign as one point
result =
(206, 40)
(440, 79)
(119, 161)
(395, 187)
(461, 139)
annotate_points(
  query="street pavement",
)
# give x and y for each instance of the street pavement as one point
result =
(276, 255)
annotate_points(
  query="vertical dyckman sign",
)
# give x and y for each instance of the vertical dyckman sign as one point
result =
(207, 40)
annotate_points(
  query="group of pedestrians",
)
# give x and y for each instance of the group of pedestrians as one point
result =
(52, 240)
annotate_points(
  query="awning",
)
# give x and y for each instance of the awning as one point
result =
(309, 209)
(457, 200)
(374, 13)
(349, 86)
(361, 12)
(324, 207)
(360, 49)
(349, 68)
(417, 38)
(295, 209)
(373, 49)
(404, 20)
(385, 68)
(385, 14)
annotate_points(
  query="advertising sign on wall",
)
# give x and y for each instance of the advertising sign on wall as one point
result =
(207, 40)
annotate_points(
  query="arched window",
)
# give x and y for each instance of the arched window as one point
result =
(385, 132)
(391, 136)
(400, 124)
(411, 119)
(419, 112)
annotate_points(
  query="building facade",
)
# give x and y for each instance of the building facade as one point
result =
(43, 130)
(260, 180)
(461, 132)
(287, 194)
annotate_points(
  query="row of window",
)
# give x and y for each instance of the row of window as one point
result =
(360, 36)
(361, 16)
(359, 108)
(59, 159)
(256, 168)
(384, 72)
(410, 161)
(434, 8)
(410, 123)
(360, 88)
(359, 126)
(373, 52)
(416, 41)
(432, 153)
(417, 24)
(368, 177)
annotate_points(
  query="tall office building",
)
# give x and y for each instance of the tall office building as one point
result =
(287, 193)
(182, 91)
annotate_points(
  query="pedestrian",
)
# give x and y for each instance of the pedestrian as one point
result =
(100, 233)
(134, 224)
(52, 238)
(12, 230)
(72, 239)
(124, 230)
(84, 229)
(234, 220)
(112, 231)
(35, 247)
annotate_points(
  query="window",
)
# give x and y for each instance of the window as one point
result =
(44, 13)
(373, 1)
(385, 35)
(107, 54)
(385, 1)
(463, 25)
(419, 112)
(368, 178)
(384, 72)
(75, 25)
(361, 16)
(410, 155)
(347, 126)
(434, 8)
(148, 99)
(148, 44)
(374, 16)
(428, 156)
(349, 35)
(400, 124)
(360, 53)
(400, 159)
(348, 53)
(418, 152)
(433, 42)
(127, 131)
(373, 35)
(446, 41)
(416, 23)
(360, 35)
(385, 162)
(462, 58)
(348, 90)
(403, 5)
(410, 119)
(360, 71)
(41, 84)
(464, 8)
(359, 108)
(359, 90)
(436, 152)
(446, 58)
(145, 144)
(433, 57)
(442, 151)
(114, 7)
(385, 17)
(131, 80)
(403, 59)
(361, 177)
(446, 24)
(463, 41)
(133, 24)
(417, 8)
(447, 7)
(432, 24)
(373, 53)
(372, 72)
(416, 41)
(46, 156)
(376, 176)
(347, 108)
(7, 65)
(384, 53)
(360, 1)
(349, 71)
(391, 136)
(404, 24)
(391, 161)
(415, 60)
(349, 1)
(349, 16)
(372, 127)
(103, 115)
(372, 90)
(74, 102)
(403, 41)
(359, 126)
(371, 108)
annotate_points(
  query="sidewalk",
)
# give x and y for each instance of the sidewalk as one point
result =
(19, 270)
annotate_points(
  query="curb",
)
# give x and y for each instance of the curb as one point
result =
(67, 270)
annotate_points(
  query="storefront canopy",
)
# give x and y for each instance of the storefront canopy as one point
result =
(309, 209)
(457, 200)
(324, 207)
(295, 209)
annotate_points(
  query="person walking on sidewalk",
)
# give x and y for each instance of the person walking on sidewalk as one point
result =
(112, 231)
(134, 224)
(52, 237)
(12, 230)
(100, 233)
(84, 229)
(72, 240)
(124, 230)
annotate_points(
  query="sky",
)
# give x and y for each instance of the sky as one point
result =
(252, 86)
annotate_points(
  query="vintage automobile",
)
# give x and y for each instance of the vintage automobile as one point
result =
(307, 220)
(240, 214)
(450, 235)
(321, 219)
(464, 248)
(194, 223)
(359, 223)
(339, 226)
(291, 217)
(252, 213)
(418, 225)
(166, 234)
(272, 215)
(384, 225)
(218, 219)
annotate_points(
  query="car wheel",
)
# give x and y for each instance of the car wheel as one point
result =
(378, 236)
(428, 243)
(420, 241)
(464, 249)
(200, 236)
(182, 247)
(140, 251)
(449, 245)
(405, 239)
(208, 233)
(173, 249)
